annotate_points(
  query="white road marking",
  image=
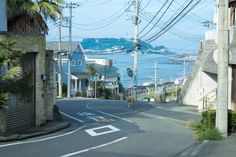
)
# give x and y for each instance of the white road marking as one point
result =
(43, 139)
(93, 118)
(165, 118)
(86, 114)
(93, 132)
(92, 148)
(72, 117)
(114, 116)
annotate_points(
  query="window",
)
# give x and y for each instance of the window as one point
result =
(80, 63)
(64, 62)
(73, 63)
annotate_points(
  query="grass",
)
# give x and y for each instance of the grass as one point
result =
(203, 132)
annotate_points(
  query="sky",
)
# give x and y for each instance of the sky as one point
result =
(113, 18)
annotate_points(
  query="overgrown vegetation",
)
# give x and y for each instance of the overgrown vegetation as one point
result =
(206, 130)
(9, 65)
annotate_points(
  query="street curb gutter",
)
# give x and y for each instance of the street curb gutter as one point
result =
(18, 137)
(193, 150)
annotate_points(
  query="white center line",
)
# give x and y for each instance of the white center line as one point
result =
(43, 139)
(92, 148)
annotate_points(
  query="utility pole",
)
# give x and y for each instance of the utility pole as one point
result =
(223, 56)
(136, 46)
(184, 74)
(59, 58)
(155, 75)
(70, 6)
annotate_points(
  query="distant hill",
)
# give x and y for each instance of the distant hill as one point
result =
(113, 45)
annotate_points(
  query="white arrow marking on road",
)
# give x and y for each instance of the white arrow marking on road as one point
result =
(95, 119)
(72, 117)
(96, 147)
(114, 116)
(93, 132)
(86, 114)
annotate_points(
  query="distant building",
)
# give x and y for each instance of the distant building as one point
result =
(108, 75)
(79, 74)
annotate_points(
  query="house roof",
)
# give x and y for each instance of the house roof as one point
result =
(53, 45)
(81, 75)
(107, 71)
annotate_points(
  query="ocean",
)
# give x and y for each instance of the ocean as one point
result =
(167, 68)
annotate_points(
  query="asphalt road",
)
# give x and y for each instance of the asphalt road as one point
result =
(110, 129)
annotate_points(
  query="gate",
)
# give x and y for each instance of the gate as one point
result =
(21, 112)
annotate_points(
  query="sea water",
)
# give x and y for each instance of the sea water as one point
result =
(167, 69)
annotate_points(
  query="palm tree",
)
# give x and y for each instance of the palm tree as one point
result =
(29, 16)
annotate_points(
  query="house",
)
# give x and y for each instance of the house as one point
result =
(106, 73)
(200, 88)
(79, 75)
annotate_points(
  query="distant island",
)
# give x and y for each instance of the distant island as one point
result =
(121, 45)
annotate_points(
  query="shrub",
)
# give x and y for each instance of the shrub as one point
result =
(209, 118)
(64, 89)
(78, 94)
(205, 129)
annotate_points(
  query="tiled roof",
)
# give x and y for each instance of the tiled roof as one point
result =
(53, 45)
(109, 71)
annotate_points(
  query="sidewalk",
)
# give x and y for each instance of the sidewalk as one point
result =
(50, 127)
(219, 148)
(222, 148)
(206, 148)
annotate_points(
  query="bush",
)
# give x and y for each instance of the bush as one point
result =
(64, 89)
(205, 129)
(209, 118)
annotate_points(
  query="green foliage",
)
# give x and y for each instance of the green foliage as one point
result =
(80, 94)
(107, 93)
(202, 132)
(11, 57)
(205, 129)
(3, 99)
(64, 89)
(29, 16)
(91, 69)
(208, 118)
(130, 99)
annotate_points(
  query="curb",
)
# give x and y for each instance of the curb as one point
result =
(193, 150)
(17, 137)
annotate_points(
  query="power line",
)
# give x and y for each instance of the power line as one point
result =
(173, 22)
(159, 18)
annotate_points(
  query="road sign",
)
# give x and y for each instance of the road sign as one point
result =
(130, 72)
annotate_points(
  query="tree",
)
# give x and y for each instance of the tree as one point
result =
(92, 72)
(29, 16)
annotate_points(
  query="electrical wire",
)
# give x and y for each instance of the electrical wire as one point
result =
(173, 22)
(159, 18)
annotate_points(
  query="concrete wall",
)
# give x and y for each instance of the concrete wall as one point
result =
(35, 44)
(50, 85)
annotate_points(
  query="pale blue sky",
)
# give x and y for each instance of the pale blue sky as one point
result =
(91, 19)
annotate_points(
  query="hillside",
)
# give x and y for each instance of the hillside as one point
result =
(113, 45)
